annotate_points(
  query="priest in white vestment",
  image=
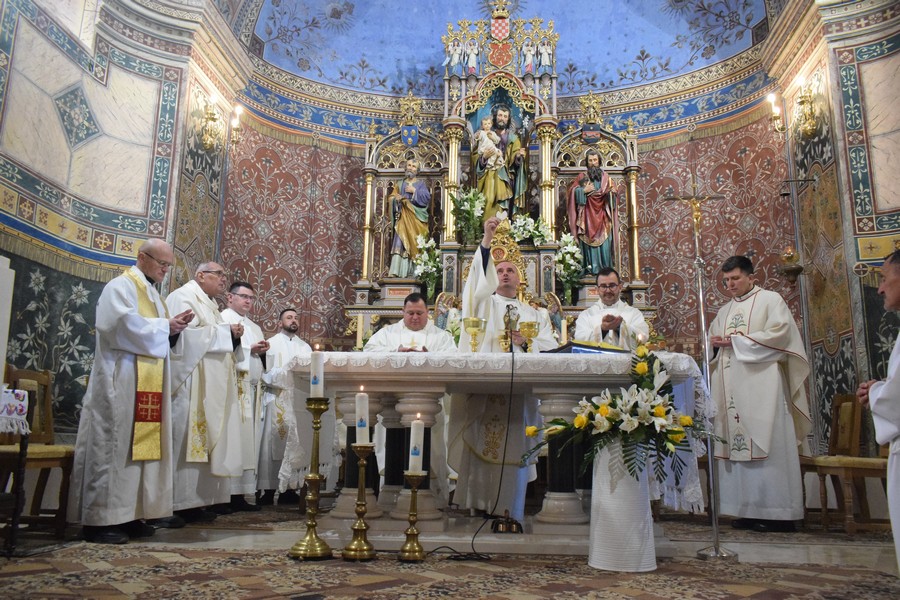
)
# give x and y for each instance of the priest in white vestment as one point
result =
(757, 384)
(206, 414)
(287, 425)
(240, 299)
(123, 452)
(414, 333)
(883, 397)
(487, 432)
(611, 320)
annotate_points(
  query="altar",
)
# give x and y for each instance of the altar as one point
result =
(405, 386)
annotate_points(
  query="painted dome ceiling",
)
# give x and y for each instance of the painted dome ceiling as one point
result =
(391, 47)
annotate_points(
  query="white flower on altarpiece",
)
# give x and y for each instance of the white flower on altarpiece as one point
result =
(468, 208)
(524, 227)
(427, 262)
(568, 261)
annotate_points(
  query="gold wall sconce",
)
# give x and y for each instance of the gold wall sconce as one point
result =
(237, 133)
(777, 122)
(790, 266)
(211, 125)
(806, 109)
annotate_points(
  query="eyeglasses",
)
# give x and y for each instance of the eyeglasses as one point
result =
(249, 297)
(608, 286)
(161, 263)
(216, 273)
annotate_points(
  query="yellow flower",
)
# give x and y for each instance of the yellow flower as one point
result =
(580, 421)
(531, 431)
(553, 430)
(641, 368)
(603, 410)
(685, 421)
(642, 351)
(659, 411)
(676, 435)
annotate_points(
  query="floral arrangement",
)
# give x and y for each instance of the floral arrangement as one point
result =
(568, 261)
(427, 262)
(468, 208)
(524, 227)
(643, 418)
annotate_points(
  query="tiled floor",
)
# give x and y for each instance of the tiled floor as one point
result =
(456, 535)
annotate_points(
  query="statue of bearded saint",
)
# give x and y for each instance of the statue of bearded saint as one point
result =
(590, 214)
(503, 180)
(409, 203)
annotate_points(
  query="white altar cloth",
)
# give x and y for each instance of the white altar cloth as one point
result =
(585, 374)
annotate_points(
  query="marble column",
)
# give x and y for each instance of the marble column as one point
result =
(424, 403)
(345, 506)
(394, 457)
(561, 503)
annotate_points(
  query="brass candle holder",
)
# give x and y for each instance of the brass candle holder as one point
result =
(412, 550)
(312, 547)
(359, 547)
(474, 327)
(529, 330)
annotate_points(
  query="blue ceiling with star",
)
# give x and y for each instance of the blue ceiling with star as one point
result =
(391, 47)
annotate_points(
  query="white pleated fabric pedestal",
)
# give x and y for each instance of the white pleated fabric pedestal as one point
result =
(621, 523)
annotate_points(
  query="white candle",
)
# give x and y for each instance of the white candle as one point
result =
(317, 374)
(416, 444)
(362, 417)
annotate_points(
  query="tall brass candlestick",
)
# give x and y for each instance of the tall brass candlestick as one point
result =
(312, 547)
(359, 547)
(412, 550)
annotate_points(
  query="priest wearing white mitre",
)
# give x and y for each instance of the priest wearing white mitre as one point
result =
(757, 383)
(486, 439)
(206, 414)
(611, 320)
(240, 299)
(123, 454)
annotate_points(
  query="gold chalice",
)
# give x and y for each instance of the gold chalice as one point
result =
(529, 330)
(474, 327)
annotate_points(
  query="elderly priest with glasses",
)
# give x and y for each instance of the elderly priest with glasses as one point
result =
(123, 453)
(206, 413)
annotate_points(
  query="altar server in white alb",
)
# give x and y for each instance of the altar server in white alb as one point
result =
(883, 397)
(283, 406)
(240, 299)
(123, 453)
(206, 414)
(611, 319)
(757, 383)
(487, 440)
(414, 333)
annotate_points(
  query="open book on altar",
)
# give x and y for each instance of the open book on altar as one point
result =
(582, 347)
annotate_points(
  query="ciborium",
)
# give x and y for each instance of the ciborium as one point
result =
(529, 330)
(475, 328)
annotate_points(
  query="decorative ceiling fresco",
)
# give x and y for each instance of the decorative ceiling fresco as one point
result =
(391, 47)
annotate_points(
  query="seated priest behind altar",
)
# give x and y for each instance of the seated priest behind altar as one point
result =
(611, 320)
(415, 333)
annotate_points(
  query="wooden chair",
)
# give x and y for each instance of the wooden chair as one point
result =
(847, 468)
(42, 452)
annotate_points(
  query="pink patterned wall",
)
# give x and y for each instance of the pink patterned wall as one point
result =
(292, 227)
(747, 167)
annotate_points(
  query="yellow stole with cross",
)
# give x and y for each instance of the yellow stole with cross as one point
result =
(145, 444)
